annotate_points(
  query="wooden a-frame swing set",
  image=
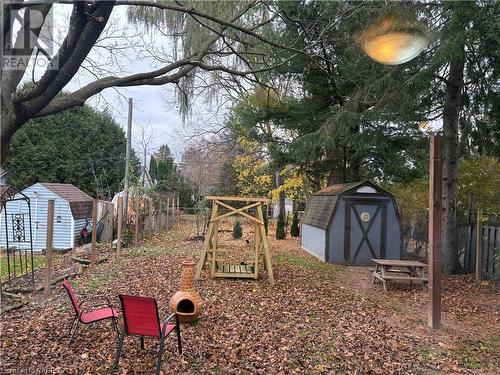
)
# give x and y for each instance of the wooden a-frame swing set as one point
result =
(215, 259)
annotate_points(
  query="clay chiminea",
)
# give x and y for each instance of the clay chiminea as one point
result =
(186, 302)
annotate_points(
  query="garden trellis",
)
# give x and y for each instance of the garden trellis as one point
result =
(18, 234)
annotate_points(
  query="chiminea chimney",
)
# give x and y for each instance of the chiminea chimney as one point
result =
(187, 303)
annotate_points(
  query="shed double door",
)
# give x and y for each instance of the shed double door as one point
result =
(365, 231)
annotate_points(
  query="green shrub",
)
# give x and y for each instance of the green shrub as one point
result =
(294, 229)
(280, 228)
(237, 230)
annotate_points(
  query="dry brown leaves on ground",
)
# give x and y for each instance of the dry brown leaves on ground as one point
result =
(317, 318)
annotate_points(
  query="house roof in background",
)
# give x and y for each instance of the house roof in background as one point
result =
(79, 201)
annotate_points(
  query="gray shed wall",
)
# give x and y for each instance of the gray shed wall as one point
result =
(336, 230)
(394, 233)
(312, 240)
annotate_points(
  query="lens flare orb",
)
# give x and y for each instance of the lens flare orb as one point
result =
(391, 43)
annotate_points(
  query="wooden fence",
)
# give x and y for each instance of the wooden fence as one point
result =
(149, 215)
(106, 219)
(489, 245)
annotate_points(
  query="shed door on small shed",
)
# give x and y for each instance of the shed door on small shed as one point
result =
(365, 230)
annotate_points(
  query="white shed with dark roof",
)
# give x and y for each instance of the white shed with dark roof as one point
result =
(72, 211)
(351, 224)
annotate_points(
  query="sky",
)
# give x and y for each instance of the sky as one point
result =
(154, 107)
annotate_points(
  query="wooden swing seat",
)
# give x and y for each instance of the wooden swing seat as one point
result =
(235, 269)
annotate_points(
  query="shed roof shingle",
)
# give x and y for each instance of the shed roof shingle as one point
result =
(320, 206)
(79, 201)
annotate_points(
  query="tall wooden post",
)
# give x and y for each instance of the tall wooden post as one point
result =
(120, 224)
(178, 211)
(479, 245)
(94, 236)
(128, 153)
(136, 230)
(48, 246)
(160, 224)
(435, 213)
(151, 223)
(168, 210)
(173, 212)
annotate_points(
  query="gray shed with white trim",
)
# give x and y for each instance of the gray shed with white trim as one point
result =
(351, 224)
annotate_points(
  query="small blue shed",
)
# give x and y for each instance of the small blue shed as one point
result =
(351, 224)
(72, 210)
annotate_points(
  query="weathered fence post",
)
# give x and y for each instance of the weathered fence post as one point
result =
(136, 231)
(479, 245)
(168, 209)
(435, 213)
(151, 223)
(110, 215)
(173, 212)
(120, 222)
(48, 246)
(94, 235)
(159, 215)
(178, 211)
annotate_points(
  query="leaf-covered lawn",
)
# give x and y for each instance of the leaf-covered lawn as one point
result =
(317, 318)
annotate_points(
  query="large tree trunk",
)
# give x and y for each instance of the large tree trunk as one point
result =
(281, 201)
(9, 123)
(450, 158)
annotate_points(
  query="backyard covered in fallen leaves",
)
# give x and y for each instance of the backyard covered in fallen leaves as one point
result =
(317, 318)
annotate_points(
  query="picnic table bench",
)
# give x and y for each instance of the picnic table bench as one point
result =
(388, 269)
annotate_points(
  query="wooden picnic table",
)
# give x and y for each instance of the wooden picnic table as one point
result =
(388, 269)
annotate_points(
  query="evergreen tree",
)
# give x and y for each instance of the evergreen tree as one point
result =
(166, 174)
(153, 169)
(294, 229)
(281, 227)
(80, 146)
(237, 230)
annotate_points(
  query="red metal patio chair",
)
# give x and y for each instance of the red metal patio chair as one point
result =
(87, 312)
(140, 318)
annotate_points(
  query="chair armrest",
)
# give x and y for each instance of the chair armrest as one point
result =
(100, 297)
(167, 319)
(93, 302)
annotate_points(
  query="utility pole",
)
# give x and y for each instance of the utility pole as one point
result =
(127, 157)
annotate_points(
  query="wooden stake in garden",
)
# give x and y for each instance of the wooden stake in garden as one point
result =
(120, 223)
(48, 246)
(479, 245)
(93, 246)
(435, 213)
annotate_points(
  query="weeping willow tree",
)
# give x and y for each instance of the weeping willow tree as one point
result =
(230, 40)
(242, 53)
